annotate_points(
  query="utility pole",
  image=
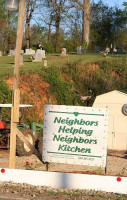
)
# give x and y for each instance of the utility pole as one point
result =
(16, 91)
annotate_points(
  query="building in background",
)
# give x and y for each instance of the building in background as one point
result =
(117, 131)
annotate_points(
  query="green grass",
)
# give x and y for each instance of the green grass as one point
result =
(7, 62)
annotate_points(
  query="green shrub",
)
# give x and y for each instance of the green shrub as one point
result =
(60, 88)
(5, 97)
(5, 93)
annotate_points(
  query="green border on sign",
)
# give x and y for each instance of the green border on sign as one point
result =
(74, 154)
(76, 113)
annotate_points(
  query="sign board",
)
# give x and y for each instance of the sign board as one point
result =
(75, 135)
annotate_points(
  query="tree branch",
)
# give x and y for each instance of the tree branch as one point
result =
(78, 2)
(73, 6)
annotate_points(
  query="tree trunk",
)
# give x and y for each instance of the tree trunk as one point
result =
(49, 31)
(86, 22)
(57, 31)
(29, 11)
(7, 38)
(57, 24)
(27, 35)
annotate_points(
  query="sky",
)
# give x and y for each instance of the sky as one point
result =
(112, 2)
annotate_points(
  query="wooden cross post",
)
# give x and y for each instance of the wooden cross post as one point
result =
(16, 92)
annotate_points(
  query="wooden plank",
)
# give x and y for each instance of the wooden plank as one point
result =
(12, 141)
(19, 39)
(16, 105)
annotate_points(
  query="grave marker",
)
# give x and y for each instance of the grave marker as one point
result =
(120, 48)
(11, 53)
(39, 55)
(29, 52)
(21, 57)
(63, 51)
(97, 49)
(45, 63)
(107, 50)
(79, 50)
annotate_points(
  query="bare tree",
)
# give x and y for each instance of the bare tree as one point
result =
(56, 10)
(29, 12)
(85, 7)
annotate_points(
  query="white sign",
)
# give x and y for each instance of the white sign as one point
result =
(75, 135)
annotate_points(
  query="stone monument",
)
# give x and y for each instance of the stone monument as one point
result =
(79, 50)
(21, 57)
(97, 49)
(11, 53)
(120, 48)
(29, 52)
(63, 51)
(107, 50)
(39, 55)
(45, 63)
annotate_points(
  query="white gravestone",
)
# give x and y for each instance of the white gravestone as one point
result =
(30, 52)
(39, 55)
(45, 63)
(114, 50)
(79, 50)
(0, 53)
(63, 51)
(11, 53)
(21, 57)
(107, 50)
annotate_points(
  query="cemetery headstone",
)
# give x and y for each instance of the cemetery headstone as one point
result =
(11, 53)
(21, 57)
(43, 54)
(39, 55)
(30, 52)
(45, 63)
(97, 49)
(22, 52)
(107, 50)
(79, 50)
(120, 48)
(112, 48)
(0, 53)
(63, 51)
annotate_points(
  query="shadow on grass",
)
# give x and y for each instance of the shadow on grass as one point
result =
(27, 61)
(11, 63)
(56, 55)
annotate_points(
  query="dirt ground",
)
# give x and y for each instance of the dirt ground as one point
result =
(12, 191)
(116, 164)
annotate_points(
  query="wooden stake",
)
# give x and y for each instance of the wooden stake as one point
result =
(12, 141)
(15, 100)
(16, 105)
(21, 17)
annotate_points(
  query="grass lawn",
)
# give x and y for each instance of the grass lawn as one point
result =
(7, 62)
